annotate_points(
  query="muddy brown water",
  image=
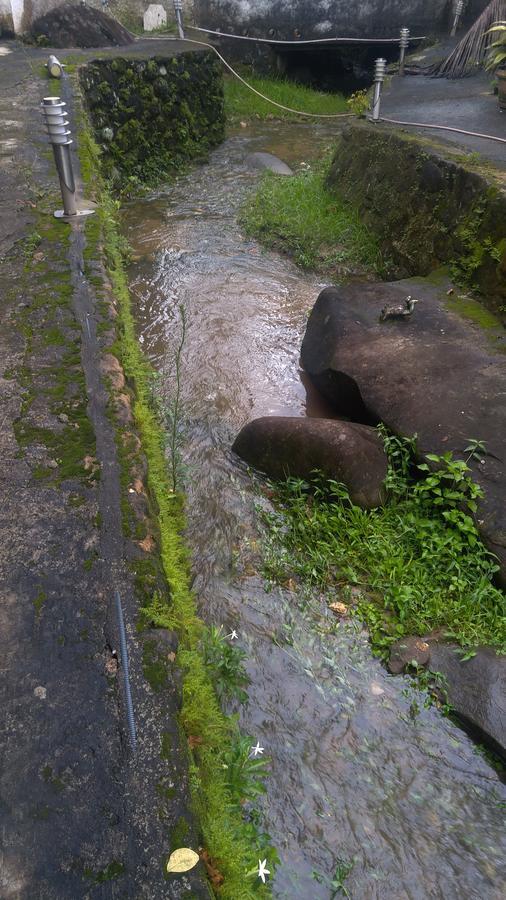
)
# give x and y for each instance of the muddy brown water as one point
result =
(355, 774)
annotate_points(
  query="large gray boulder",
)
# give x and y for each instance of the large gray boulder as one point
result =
(476, 690)
(346, 452)
(431, 374)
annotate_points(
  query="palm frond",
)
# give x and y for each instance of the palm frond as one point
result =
(471, 51)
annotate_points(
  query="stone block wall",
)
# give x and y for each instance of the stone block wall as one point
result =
(151, 117)
(427, 207)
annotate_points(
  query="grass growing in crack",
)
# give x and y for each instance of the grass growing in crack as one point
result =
(226, 664)
(419, 560)
(299, 216)
(241, 103)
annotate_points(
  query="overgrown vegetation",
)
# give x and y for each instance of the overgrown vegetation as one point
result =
(231, 833)
(241, 104)
(418, 561)
(321, 231)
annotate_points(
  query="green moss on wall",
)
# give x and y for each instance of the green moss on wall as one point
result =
(426, 209)
(151, 117)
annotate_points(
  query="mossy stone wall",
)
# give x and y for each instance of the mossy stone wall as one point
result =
(427, 208)
(151, 117)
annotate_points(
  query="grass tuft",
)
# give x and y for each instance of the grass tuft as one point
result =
(320, 231)
(241, 104)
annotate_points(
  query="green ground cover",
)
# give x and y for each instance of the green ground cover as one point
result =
(418, 562)
(224, 780)
(319, 230)
(241, 104)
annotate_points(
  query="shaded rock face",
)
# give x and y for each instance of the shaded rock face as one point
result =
(429, 374)
(346, 452)
(476, 690)
(80, 26)
(269, 162)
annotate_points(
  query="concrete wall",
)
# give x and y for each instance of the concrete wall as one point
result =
(286, 19)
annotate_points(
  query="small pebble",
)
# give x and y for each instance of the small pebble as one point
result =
(63, 417)
(40, 692)
(52, 464)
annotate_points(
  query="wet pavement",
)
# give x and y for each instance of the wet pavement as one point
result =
(361, 771)
(466, 103)
(80, 815)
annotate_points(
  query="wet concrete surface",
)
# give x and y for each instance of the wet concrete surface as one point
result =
(80, 814)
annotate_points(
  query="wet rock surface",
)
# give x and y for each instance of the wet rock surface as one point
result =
(476, 690)
(406, 652)
(269, 162)
(72, 25)
(348, 453)
(429, 374)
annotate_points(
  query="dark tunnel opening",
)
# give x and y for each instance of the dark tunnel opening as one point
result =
(333, 67)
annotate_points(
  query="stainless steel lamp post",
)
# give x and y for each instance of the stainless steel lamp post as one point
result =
(178, 9)
(54, 115)
(404, 44)
(379, 77)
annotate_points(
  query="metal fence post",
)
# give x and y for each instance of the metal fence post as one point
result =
(404, 44)
(54, 114)
(459, 9)
(379, 77)
(178, 9)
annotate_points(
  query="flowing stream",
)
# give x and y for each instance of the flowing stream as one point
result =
(360, 771)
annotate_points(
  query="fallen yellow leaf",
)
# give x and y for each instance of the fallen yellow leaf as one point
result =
(182, 860)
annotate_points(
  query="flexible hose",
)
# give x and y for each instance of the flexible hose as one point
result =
(297, 112)
(488, 137)
(126, 675)
(333, 40)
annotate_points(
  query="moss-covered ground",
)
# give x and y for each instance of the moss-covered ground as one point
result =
(231, 839)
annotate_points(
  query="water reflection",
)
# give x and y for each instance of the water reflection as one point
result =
(355, 774)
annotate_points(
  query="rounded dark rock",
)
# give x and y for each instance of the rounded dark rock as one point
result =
(345, 452)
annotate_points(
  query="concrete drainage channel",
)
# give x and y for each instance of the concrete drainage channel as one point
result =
(137, 873)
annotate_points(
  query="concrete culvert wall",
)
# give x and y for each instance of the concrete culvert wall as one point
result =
(151, 118)
(427, 207)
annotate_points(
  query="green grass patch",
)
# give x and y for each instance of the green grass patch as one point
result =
(234, 843)
(299, 216)
(241, 104)
(419, 560)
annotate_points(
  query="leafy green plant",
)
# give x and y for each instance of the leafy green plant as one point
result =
(336, 883)
(225, 662)
(496, 53)
(358, 103)
(419, 560)
(245, 774)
